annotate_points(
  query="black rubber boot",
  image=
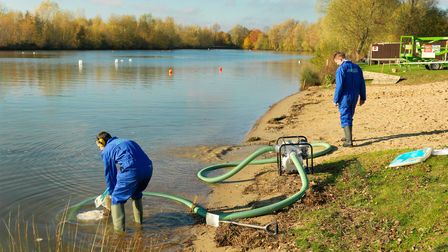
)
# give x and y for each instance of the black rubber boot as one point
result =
(348, 137)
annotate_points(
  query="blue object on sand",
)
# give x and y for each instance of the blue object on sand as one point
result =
(411, 157)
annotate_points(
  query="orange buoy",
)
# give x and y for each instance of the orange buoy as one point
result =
(220, 69)
(170, 71)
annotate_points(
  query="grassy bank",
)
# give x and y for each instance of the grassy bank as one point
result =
(358, 204)
(411, 74)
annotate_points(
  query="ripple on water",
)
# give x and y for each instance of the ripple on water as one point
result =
(164, 222)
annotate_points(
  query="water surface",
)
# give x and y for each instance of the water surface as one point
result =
(51, 109)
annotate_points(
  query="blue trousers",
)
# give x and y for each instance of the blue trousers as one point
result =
(347, 111)
(130, 186)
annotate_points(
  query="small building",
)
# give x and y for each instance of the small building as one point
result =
(387, 52)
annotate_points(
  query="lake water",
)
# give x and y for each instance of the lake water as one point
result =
(51, 109)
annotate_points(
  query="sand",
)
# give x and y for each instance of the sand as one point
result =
(393, 117)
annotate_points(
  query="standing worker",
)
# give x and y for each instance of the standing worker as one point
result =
(129, 181)
(349, 85)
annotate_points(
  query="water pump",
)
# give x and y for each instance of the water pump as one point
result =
(297, 145)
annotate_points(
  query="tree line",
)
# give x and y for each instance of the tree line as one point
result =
(49, 27)
(345, 25)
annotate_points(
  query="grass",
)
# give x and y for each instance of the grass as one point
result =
(410, 74)
(377, 208)
(24, 236)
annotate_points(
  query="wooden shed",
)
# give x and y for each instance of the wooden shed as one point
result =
(387, 52)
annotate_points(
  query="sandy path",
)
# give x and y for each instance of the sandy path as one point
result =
(393, 117)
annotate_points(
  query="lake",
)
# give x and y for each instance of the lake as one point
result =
(52, 107)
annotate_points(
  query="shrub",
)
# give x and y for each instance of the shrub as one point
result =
(309, 77)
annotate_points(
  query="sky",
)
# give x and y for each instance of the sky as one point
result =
(252, 14)
(227, 13)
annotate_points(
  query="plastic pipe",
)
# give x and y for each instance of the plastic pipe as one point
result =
(250, 161)
(239, 165)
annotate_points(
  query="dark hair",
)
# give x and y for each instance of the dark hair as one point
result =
(339, 55)
(104, 135)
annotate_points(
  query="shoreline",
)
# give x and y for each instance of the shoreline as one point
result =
(391, 118)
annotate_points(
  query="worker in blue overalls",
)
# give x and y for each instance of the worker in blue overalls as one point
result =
(349, 85)
(129, 180)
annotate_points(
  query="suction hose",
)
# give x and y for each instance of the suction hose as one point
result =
(248, 160)
(239, 165)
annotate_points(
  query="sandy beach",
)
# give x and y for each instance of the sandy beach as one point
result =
(393, 117)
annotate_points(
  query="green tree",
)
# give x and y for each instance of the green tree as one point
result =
(238, 34)
(419, 18)
(353, 25)
(222, 39)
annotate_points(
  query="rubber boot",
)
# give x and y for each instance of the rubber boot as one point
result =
(344, 139)
(348, 136)
(118, 219)
(137, 206)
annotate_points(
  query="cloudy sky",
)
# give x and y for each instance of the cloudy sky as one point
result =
(227, 13)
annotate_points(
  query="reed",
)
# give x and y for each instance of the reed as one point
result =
(25, 236)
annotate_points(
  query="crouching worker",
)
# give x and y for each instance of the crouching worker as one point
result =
(131, 178)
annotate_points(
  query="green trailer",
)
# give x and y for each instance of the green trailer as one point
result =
(428, 51)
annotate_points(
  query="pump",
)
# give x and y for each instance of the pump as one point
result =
(290, 150)
(286, 146)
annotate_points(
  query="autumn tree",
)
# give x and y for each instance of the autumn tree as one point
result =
(222, 39)
(165, 35)
(262, 42)
(238, 34)
(8, 28)
(251, 39)
(145, 27)
(27, 30)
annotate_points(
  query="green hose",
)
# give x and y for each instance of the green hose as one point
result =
(248, 160)
(239, 165)
(327, 148)
(247, 213)
(275, 206)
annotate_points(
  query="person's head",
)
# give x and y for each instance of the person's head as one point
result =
(338, 58)
(102, 138)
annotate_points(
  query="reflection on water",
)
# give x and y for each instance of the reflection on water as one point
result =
(52, 107)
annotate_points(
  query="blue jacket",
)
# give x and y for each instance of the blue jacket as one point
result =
(134, 164)
(349, 84)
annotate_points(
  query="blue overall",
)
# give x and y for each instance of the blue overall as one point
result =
(134, 173)
(349, 85)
